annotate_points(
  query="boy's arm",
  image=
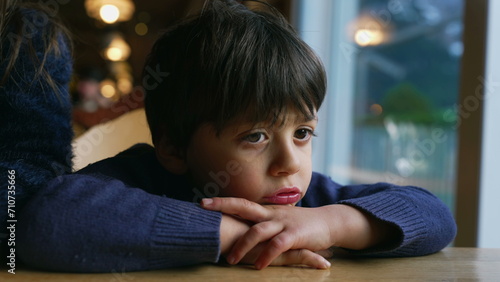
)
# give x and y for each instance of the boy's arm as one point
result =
(82, 223)
(283, 228)
(93, 223)
(425, 224)
(380, 219)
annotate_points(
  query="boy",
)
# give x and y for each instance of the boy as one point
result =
(231, 101)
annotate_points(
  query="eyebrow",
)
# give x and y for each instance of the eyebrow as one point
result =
(306, 119)
(244, 123)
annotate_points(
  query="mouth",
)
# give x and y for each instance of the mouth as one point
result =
(284, 196)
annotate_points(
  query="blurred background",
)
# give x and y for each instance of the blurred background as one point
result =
(405, 104)
(112, 39)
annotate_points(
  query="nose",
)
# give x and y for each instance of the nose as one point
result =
(285, 160)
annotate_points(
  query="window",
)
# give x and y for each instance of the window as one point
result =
(394, 69)
(438, 59)
(392, 111)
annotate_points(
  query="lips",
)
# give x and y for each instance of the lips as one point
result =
(284, 196)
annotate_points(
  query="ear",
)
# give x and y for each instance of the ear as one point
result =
(170, 157)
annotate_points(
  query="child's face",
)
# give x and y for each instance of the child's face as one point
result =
(267, 165)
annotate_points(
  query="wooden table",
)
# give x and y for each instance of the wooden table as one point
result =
(451, 264)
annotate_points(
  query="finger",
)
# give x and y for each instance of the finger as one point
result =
(282, 243)
(276, 246)
(258, 233)
(303, 257)
(237, 206)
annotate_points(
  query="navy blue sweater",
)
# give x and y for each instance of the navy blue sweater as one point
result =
(35, 119)
(127, 213)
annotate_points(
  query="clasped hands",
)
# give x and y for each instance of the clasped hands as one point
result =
(265, 235)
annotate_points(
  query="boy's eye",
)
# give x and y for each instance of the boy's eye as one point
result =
(254, 137)
(303, 134)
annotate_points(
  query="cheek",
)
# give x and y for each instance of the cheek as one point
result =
(306, 171)
(246, 184)
(305, 177)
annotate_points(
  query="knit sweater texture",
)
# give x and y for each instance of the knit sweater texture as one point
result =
(35, 120)
(127, 213)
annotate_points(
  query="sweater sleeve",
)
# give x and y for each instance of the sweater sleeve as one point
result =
(426, 225)
(83, 223)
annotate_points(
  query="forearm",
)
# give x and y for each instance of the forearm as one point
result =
(352, 228)
(424, 222)
(83, 224)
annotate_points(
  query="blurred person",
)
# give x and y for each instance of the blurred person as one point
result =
(35, 107)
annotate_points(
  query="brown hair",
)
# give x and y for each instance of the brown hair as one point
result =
(227, 61)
